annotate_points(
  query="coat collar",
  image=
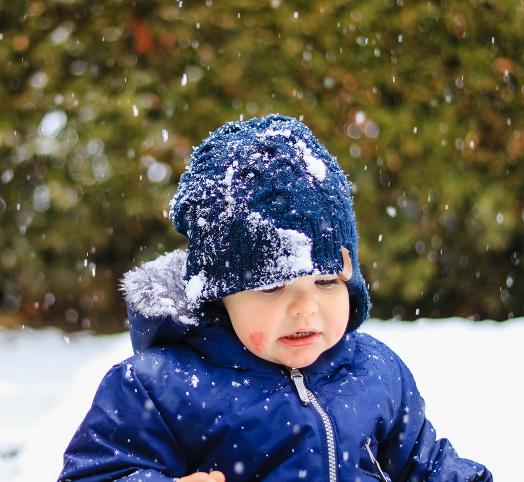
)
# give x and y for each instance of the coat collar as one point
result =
(220, 346)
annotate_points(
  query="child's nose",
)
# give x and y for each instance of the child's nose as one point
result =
(302, 305)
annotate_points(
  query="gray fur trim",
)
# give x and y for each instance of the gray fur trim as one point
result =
(157, 288)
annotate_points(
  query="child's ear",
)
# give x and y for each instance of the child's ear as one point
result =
(347, 270)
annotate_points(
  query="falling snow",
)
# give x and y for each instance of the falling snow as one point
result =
(194, 381)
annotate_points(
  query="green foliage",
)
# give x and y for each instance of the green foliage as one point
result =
(421, 102)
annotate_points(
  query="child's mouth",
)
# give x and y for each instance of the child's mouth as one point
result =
(300, 334)
(300, 338)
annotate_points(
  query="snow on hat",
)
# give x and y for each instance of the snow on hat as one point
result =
(263, 202)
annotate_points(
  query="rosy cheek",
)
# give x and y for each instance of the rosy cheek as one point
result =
(257, 340)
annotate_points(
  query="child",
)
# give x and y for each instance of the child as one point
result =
(247, 360)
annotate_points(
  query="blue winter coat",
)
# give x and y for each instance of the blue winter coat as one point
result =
(193, 398)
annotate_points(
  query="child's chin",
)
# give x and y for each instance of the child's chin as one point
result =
(301, 361)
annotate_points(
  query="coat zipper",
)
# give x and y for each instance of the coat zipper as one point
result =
(375, 463)
(306, 396)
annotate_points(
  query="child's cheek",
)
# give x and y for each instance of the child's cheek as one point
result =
(257, 341)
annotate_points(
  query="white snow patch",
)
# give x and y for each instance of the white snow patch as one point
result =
(195, 286)
(314, 165)
(55, 393)
(291, 256)
(270, 132)
(270, 286)
(228, 178)
(228, 182)
(187, 320)
(300, 247)
(52, 394)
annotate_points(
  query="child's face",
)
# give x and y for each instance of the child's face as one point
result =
(294, 323)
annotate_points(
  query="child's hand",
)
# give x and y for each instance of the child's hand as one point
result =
(214, 476)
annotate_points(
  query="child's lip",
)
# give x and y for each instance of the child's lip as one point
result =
(302, 330)
(300, 341)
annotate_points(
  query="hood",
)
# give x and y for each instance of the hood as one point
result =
(157, 307)
(160, 313)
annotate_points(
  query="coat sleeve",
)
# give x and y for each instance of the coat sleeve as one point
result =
(411, 451)
(123, 436)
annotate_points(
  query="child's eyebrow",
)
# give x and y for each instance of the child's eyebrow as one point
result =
(329, 276)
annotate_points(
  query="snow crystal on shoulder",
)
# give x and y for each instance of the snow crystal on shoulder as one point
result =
(194, 381)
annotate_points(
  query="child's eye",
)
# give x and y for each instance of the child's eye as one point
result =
(273, 290)
(325, 283)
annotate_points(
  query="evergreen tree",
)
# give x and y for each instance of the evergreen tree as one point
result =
(420, 101)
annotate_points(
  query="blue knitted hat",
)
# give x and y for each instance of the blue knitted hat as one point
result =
(263, 202)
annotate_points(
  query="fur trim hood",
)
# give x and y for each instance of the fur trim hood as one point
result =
(157, 306)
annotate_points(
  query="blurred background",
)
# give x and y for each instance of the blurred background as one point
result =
(422, 102)
(101, 102)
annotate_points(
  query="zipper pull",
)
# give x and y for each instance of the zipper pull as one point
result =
(374, 461)
(298, 380)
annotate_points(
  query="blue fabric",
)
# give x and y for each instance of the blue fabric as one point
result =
(263, 202)
(204, 402)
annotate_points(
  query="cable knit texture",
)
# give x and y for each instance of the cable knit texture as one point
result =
(263, 202)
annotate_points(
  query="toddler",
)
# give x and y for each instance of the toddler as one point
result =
(248, 364)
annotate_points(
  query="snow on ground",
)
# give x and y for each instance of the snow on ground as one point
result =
(469, 374)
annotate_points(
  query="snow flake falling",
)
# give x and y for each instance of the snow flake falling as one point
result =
(194, 381)
(52, 123)
(239, 468)
(391, 211)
